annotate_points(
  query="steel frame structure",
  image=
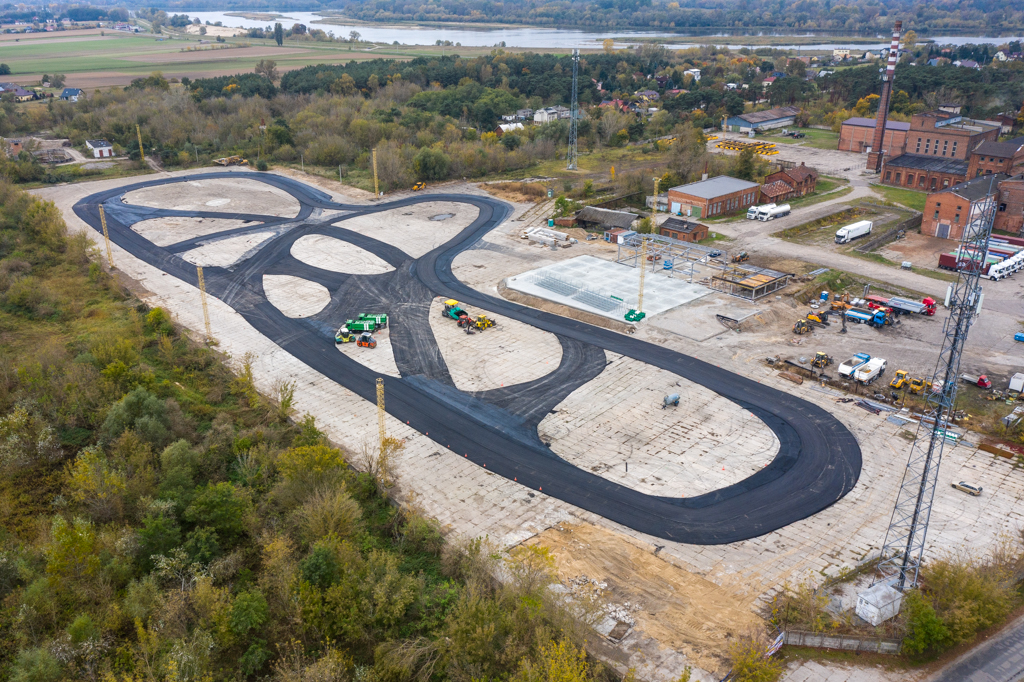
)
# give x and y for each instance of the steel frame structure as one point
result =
(572, 156)
(908, 529)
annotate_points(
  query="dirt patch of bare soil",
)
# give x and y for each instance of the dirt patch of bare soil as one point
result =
(679, 609)
(517, 192)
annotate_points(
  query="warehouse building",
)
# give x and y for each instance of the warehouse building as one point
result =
(946, 212)
(762, 120)
(717, 196)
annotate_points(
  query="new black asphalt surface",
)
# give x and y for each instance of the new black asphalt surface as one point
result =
(818, 461)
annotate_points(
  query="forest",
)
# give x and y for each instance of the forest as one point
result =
(162, 520)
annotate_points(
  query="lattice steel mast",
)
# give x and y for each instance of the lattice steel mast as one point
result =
(572, 156)
(908, 529)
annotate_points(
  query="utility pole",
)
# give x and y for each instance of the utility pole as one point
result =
(572, 157)
(142, 154)
(376, 185)
(202, 296)
(908, 529)
(106, 237)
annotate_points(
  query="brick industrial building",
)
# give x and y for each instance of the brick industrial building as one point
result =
(946, 212)
(683, 230)
(717, 196)
(938, 150)
(996, 157)
(789, 184)
(856, 135)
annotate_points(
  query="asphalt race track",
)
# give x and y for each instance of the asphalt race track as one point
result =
(818, 462)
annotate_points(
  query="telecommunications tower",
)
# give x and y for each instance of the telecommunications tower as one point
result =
(574, 112)
(904, 541)
(876, 153)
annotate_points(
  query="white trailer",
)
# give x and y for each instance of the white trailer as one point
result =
(847, 234)
(870, 370)
(754, 210)
(765, 214)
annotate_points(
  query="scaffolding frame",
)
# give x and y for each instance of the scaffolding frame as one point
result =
(749, 282)
(660, 247)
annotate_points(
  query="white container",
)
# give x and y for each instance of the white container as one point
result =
(844, 235)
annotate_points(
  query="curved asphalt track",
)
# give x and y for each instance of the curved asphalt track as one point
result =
(818, 462)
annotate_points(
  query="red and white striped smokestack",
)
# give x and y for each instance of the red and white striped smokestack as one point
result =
(878, 152)
(894, 52)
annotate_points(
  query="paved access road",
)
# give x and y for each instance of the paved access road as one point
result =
(999, 659)
(818, 462)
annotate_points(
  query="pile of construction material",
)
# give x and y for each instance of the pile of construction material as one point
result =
(548, 237)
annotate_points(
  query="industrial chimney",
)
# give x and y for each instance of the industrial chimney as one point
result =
(877, 153)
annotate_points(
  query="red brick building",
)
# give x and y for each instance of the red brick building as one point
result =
(937, 150)
(857, 134)
(946, 212)
(717, 196)
(683, 230)
(996, 157)
(789, 184)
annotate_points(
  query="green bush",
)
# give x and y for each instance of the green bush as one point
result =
(35, 665)
(925, 631)
(222, 508)
(431, 164)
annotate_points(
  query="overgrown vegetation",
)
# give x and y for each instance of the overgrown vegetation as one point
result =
(161, 520)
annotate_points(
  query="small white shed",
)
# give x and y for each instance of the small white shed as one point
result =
(879, 603)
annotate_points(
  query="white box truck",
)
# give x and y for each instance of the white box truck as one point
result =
(847, 234)
(754, 210)
(870, 370)
(771, 212)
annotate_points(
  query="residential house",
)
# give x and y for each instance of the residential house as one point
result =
(967, 64)
(548, 114)
(19, 93)
(70, 94)
(693, 72)
(841, 53)
(766, 83)
(789, 184)
(507, 128)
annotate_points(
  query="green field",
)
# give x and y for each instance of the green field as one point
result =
(819, 139)
(905, 197)
(99, 59)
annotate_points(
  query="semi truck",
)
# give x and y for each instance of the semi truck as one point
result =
(903, 306)
(845, 235)
(847, 368)
(771, 212)
(753, 210)
(870, 370)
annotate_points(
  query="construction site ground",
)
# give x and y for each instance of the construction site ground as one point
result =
(680, 604)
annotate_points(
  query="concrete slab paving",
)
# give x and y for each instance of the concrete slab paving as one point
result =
(609, 289)
(167, 231)
(509, 353)
(230, 195)
(329, 253)
(226, 252)
(615, 427)
(294, 296)
(415, 229)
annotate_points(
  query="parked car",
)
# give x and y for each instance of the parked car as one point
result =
(968, 488)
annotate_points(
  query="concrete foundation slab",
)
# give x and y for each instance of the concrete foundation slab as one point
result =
(226, 252)
(167, 231)
(230, 195)
(415, 229)
(608, 289)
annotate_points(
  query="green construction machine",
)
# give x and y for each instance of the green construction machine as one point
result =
(379, 319)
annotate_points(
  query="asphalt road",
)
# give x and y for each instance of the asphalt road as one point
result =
(1000, 659)
(818, 462)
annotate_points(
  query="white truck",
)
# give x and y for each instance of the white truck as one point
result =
(870, 370)
(845, 235)
(771, 212)
(847, 368)
(753, 210)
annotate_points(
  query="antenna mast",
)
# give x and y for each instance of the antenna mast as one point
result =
(905, 538)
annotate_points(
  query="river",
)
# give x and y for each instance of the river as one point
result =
(529, 37)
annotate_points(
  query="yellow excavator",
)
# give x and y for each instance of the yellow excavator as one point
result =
(801, 327)
(821, 360)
